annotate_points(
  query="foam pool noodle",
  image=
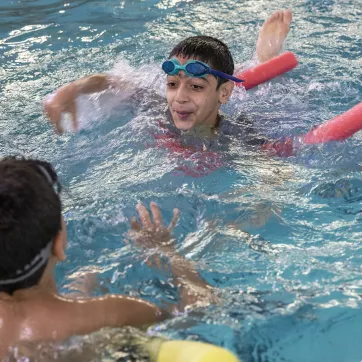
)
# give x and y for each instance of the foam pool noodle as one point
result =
(191, 351)
(267, 70)
(162, 350)
(337, 129)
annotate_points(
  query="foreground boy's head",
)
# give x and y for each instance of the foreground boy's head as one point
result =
(30, 222)
(196, 100)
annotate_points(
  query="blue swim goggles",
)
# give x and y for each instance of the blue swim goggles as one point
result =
(195, 68)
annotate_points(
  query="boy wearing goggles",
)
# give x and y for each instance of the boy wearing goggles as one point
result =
(33, 240)
(199, 78)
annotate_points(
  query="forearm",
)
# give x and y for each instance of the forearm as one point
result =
(93, 84)
(63, 100)
(194, 291)
(87, 85)
(184, 272)
(192, 288)
(127, 311)
(181, 269)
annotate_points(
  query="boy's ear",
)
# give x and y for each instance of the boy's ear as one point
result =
(60, 243)
(226, 90)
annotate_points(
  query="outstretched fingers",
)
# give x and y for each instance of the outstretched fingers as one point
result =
(176, 215)
(135, 225)
(156, 214)
(144, 216)
(146, 221)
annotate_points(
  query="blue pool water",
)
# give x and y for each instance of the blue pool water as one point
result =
(280, 238)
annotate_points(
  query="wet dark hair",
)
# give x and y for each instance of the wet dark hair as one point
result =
(209, 50)
(30, 218)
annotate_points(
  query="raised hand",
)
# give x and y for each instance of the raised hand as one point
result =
(62, 100)
(194, 291)
(151, 233)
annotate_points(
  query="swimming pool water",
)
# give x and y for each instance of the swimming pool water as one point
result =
(291, 286)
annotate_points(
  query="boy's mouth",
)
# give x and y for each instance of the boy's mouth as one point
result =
(183, 115)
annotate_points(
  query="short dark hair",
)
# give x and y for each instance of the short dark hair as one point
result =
(30, 217)
(209, 50)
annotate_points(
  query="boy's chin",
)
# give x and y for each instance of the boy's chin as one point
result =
(183, 125)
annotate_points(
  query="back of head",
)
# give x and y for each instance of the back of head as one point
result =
(30, 218)
(208, 50)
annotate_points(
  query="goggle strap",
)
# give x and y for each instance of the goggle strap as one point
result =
(224, 75)
(30, 269)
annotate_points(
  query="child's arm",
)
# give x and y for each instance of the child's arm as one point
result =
(50, 317)
(194, 291)
(64, 98)
(283, 147)
(152, 234)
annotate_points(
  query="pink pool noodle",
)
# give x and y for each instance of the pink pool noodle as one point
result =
(338, 128)
(268, 70)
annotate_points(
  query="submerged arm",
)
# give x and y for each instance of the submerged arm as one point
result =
(283, 147)
(194, 291)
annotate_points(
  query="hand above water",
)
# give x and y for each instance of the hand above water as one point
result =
(194, 291)
(153, 234)
(62, 100)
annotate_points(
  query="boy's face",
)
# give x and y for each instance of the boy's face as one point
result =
(195, 101)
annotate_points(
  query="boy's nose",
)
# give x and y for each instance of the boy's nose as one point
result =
(181, 94)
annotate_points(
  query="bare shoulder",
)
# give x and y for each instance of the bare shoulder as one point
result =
(29, 313)
(8, 323)
(25, 317)
(8, 314)
(36, 310)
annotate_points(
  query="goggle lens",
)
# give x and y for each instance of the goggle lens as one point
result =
(196, 69)
(168, 67)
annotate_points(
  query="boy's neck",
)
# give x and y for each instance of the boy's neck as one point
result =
(208, 127)
(47, 282)
(214, 121)
(46, 285)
